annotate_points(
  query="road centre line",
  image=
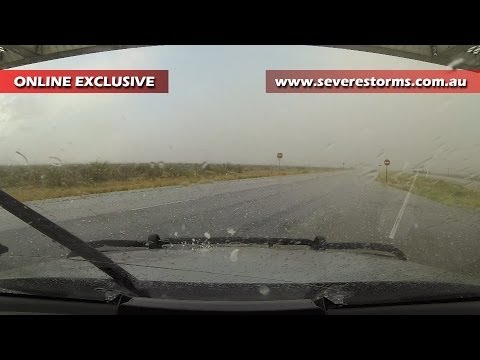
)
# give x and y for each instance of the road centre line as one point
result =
(402, 209)
(169, 203)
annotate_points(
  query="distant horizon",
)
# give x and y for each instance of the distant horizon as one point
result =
(357, 167)
(165, 163)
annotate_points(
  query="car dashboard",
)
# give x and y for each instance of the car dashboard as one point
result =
(29, 305)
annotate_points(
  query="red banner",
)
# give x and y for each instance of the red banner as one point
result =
(84, 81)
(372, 81)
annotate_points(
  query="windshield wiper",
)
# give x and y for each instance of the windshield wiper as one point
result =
(3, 249)
(72, 242)
(319, 243)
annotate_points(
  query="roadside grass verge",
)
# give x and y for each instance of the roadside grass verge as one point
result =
(37, 182)
(434, 189)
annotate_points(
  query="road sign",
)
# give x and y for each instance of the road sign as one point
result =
(279, 156)
(386, 162)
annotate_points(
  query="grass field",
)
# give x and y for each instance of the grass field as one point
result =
(36, 182)
(434, 189)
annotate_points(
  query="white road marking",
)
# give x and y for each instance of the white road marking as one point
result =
(169, 203)
(402, 209)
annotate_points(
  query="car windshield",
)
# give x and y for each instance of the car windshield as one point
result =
(245, 185)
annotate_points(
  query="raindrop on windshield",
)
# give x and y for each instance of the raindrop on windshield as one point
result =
(264, 290)
(55, 161)
(231, 231)
(405, 166)
(369, 172)
(109, 293)
(455, 63)
(234, 255)
(23, 159)
(424, 162)
(207, 235)
(161, 164)
(204, 249)
(381, 154)
(204, 165)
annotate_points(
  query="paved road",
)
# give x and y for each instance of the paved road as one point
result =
(342, 206)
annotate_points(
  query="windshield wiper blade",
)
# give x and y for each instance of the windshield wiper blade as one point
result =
(3, 249)
(319, 243)
(155, 242)
(72, 242)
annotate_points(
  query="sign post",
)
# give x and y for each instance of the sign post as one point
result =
(386, 162)
(279, 156)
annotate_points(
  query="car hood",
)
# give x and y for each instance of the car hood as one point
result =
(247, 264)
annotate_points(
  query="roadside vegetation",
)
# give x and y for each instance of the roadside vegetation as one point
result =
(36, 182)
(434, 189)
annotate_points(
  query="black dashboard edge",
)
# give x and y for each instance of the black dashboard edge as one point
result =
(17, 305)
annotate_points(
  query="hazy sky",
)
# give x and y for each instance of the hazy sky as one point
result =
(217, 111)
